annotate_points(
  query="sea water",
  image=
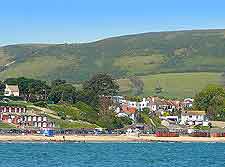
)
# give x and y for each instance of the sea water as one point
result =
(112, 154)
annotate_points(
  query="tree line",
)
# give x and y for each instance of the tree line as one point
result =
(87, 98)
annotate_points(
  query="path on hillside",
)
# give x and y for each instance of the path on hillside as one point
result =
(52, 113)
(47, 111)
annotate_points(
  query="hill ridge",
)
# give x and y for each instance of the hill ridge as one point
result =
(122, 56)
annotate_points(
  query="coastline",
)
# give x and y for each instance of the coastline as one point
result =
(107, 138)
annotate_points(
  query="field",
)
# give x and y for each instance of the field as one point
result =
(175, 85)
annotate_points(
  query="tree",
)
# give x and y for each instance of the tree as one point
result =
(11, 81)
(2, 87)
(30, 89)
(212, 100)
(63, 93)
(138, 85)
(110, 121)
(216, 109)
(203, 99)
(89, 98)
(102, 84)
(58, 82)
(158, 88)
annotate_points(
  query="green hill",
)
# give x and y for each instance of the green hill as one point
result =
(140, 54)
(174, 85)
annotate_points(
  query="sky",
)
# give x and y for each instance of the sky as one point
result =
(75, 21)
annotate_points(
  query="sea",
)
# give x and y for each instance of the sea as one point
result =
(112, 154)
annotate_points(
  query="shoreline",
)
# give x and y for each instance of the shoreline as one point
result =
(108, 138)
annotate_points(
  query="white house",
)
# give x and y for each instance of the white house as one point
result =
(170, 118)
(143, 104)
(132, 104)
(152, 104)
(188, 103)
(122, 115)
(119, 99)
(12, 90)
(194, 118)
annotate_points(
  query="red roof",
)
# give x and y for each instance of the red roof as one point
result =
(128, 110)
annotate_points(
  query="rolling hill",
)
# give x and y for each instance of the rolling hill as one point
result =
(140, 55)
(174, 85)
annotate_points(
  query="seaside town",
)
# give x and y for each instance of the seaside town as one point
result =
(62, 110)
(112, 83)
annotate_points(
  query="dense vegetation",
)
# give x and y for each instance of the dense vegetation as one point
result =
(212, 100)
(141, 54)
(73, 107)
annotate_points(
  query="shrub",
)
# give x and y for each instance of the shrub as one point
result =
(41, 104)
(62, 115)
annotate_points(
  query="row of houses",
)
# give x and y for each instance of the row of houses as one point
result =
(160, 107)
(154, 103)
(23, 121)
(18, 116)
(12, 109)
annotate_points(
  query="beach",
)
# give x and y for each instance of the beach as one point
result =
(106, 138)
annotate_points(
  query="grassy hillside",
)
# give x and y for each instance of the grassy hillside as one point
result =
(73, 125)
(73, 115)
(6, 125)
(140, 54)
(178, 85)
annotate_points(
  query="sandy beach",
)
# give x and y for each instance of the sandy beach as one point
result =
(121, 138)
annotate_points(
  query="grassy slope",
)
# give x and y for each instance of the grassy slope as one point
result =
(4, 59)
(73, 125)
(177, 85)
(141, 54)
(38, 68)
(71, 112)
(5, 125)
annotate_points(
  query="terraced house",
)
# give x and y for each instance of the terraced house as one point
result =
(21, 118)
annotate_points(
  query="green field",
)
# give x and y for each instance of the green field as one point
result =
(175, 85)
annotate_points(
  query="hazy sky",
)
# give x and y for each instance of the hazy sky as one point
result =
(59, 21)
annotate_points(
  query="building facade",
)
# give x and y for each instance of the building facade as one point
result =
(11, 90)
